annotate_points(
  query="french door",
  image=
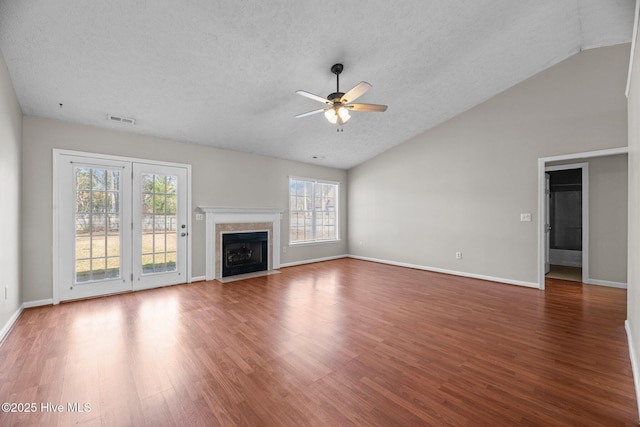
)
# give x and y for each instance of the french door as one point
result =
(159, 225)
(121, 225)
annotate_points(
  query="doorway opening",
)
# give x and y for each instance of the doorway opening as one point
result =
(561, 162)
(564, 222)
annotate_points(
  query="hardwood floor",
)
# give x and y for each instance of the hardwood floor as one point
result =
(343, 342)
(562, 272)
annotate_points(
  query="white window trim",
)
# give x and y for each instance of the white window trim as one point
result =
(315, 242)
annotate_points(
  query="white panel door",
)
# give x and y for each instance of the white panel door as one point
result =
(160, 231)
(94, 217)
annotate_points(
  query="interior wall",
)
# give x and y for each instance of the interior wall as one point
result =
(219, 178)
(608, 208)
(463, 185)
(10, 161)
(633, 268)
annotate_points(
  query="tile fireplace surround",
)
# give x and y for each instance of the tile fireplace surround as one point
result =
(221, 220)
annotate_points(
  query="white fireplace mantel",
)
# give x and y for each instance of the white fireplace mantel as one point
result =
(227, 215)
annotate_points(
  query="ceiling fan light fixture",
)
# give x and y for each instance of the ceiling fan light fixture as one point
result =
(338, 114)
(343, 112)
(331, 116)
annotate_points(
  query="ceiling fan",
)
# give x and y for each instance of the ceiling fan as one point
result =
(338, 103)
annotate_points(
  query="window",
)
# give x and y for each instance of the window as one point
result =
(313, 210)
(97, 223)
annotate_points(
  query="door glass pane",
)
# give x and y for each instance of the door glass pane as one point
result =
(98, 243)
(97, 224)
(159, 228)
(98, 268)
(147, 263)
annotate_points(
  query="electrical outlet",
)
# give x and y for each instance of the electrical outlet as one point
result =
(458, 255)
(284, 249)
(199, 217)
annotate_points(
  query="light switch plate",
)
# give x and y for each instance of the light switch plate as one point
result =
(199, 217)
(525, 217)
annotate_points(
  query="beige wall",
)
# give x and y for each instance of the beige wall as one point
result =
(608, 219)
(10, 152)
(462, 185)
(220, 178)
(633, 270)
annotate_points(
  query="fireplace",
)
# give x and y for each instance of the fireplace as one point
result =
(244, 253)
(228, 220)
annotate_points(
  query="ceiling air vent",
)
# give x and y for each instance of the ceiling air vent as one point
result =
(125, 120)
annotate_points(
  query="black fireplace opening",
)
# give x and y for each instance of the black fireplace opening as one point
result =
(244, 253)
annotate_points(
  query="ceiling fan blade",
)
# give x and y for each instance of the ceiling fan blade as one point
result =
(311, 113)
(312, 96)
(367, 107)
(356, 92)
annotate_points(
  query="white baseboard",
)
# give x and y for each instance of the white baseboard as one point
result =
(452, 272)
(37, 303)
(607, 283)
(7, 327)
(634, 364)
(198, 279)
(311, 261)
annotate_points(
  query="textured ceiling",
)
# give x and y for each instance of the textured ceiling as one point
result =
(224, 73)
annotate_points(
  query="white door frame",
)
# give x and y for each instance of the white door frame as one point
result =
(542, 166)
(57, 164)
(547, 222)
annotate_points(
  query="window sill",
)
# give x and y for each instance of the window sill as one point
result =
(315, 242)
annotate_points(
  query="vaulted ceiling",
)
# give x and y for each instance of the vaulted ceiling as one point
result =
(224, 73)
